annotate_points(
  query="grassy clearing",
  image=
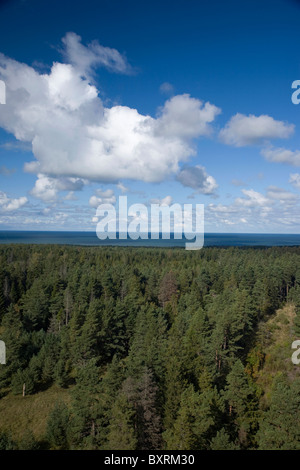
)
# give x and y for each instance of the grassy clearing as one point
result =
(19, 414)
(278, 353)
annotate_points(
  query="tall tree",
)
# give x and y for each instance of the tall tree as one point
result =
(279, 428)
(242, 399)
(121, 430)
(57, 426)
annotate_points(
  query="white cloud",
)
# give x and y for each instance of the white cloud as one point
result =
(166, 201)
(295, 180)
(186, 118)
(244, 130)
(74, 136)
(281, 155)
(47, 188)
(252, 199)
(166, 88)
(196, 177)
(105, 194)
(70, 196)
(102, 197)
(67, 90)
(9, 204)
(280, 194)
(122, 188)
(257, 212)
(87, 58)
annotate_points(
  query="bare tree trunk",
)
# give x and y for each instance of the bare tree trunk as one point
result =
(68, 305)
(24, 388)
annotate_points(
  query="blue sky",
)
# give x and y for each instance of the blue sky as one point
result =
(179, 101)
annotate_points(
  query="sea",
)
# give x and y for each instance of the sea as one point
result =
(91, 239)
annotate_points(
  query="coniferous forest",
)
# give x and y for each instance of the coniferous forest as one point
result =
(112, 348)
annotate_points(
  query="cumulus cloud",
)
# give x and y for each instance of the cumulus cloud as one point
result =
(185, 117)
(196, 177)
(282, 155)
(47, 188)
(102, 197)
(9, 204)
(72, 134)
(244, 130)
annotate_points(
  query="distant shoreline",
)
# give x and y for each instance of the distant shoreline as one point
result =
(91, 239)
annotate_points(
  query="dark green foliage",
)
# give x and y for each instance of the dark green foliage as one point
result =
(294, 296)
(23, 383)
(168, 288)
(28, 442)
(157, 348)
(197, 417)
(57, 426)
(121, 431)
(242, 400)
(6, 442)
(86, 408)
(222, 441)
(142, 394)
(279, 430)
(35, 306)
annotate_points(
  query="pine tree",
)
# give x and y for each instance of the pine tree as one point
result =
(86, 408)
(149, 344)
(112, 336)
(16, 342)
(2, 303)
(88, 342)
(175, 379)
(142, 393)
(197, 417)
(28, 441)
(279, 428)
(6, 442)
(242, 399)
(35, 306)
(121, 431)
(168, 288)
(149, 420)
(57, 426)
(222, 441)
(63, 367)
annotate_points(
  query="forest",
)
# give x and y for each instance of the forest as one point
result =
(120, 348)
